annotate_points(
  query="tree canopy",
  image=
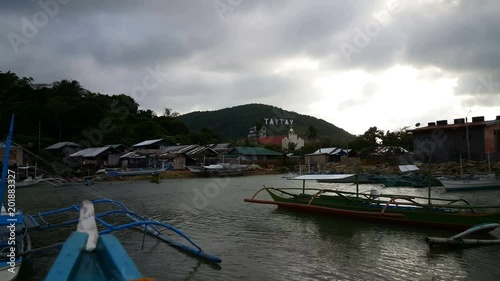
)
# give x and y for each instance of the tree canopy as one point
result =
(65, 111)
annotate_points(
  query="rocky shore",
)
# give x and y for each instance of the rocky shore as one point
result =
(448, 169)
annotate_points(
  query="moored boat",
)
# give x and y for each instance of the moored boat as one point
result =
(409, 180)
(12, 225)
(354, 178)
(27, 179)
(134, 172)
(221, 169)
(489, 181)
(403, 209)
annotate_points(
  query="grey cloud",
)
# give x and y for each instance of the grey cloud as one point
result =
(214, 62)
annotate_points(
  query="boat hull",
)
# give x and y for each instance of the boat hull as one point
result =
(360, 208)
(134, 172)
(218, 170)
(7, 275)
(109, 261)
(467, 185)
(9, 266)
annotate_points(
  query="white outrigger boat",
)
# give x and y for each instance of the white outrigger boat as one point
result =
(489, 181)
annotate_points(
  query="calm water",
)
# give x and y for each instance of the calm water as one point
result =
(262, 242)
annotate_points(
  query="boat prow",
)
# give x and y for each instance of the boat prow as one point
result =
(87, 256)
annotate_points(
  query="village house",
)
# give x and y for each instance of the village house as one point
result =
(328, 154)
(16, 157)
(181, 156)
(63, 150)
(93, 158)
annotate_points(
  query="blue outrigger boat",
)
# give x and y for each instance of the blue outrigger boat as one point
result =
(88, 256)
(134, 221)
(108, 255)
(14, 237)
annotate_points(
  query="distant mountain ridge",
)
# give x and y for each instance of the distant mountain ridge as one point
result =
(234, 123)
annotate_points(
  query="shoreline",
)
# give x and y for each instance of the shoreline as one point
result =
(183, 174)
(442, 169)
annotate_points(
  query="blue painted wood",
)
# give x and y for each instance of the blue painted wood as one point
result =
(109, 261)
(68, 260)
(5, 161)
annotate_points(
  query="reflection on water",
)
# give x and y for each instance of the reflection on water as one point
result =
(262, 242)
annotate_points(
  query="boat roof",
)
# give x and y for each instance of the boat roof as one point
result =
(323, 177)
(408, 168)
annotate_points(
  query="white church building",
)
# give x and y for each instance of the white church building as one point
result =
(292, 138)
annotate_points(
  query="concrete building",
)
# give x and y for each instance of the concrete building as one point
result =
(443, 142)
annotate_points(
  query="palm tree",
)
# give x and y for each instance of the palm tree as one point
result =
(312, 133)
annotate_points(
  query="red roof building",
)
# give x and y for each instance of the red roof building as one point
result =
(273, 140)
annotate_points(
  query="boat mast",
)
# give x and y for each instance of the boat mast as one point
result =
(467, 136)
(430, 180)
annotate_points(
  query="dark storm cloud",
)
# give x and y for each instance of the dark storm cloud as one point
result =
(217, 58)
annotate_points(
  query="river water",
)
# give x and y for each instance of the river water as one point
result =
(262, 242)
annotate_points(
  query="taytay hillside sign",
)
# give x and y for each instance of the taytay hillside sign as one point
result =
(278, 121)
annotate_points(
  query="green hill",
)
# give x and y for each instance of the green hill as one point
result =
(234, 123)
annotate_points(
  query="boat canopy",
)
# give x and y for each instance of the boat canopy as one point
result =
(408, 168)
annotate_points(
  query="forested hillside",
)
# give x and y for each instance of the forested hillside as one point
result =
(64, 111)
(234, 123)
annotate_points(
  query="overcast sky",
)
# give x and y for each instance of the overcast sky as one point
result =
(355, 64)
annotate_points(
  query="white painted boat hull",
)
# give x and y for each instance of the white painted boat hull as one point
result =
(7, 275)
(472, 184)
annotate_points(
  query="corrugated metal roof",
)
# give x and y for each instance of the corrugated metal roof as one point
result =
(330, 151)
(62, 144)
(174, 149)
(147, 142)
(201, 149)
(132, 154)
(90, 152)
(222, 146)
(253, 151)
(187, 148)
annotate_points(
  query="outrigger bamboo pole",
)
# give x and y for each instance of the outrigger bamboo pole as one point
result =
(450, 241)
